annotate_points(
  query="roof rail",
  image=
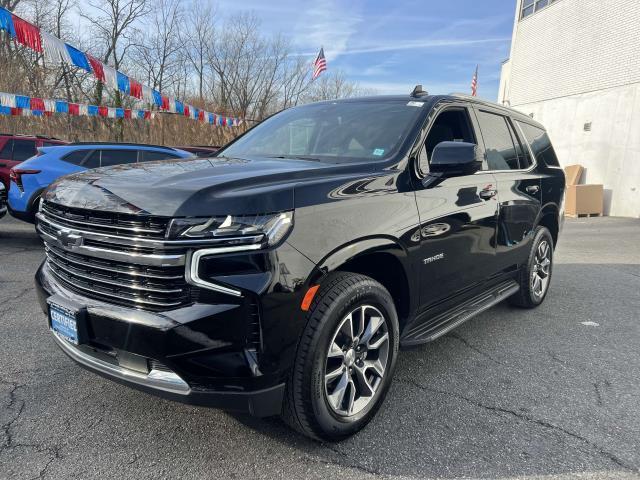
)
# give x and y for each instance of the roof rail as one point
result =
(132, 144)
(463, 95)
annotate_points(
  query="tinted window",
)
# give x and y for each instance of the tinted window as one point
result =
(50, 144)
(333, 132)
(151, 155)
(118, 157)
(5, 153)
(23, 149)
(93, 161)
(498, 142)
(540, 144)
(449, 126)
(76, 157)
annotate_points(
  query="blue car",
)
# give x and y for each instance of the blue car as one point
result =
(32, 176)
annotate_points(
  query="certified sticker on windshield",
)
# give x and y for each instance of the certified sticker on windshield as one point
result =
(415, 104)
(378, 152)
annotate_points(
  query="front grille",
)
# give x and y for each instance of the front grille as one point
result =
(118, 282)
(115, 258)
(121, 224)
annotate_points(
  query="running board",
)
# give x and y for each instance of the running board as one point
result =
(442, 323)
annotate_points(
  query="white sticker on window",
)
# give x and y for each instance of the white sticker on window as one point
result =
(415, 104)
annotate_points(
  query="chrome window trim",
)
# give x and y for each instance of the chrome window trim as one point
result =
(156, 379)
(194, 262)
(46, 211)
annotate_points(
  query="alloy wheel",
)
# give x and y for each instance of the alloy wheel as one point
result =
(356, 360)
(541, 272)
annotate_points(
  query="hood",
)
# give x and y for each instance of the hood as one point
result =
(198, 187)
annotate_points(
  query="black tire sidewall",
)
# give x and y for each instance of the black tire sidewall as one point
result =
(365, 292)
(542, 234)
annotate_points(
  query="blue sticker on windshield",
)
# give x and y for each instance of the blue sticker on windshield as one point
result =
(378, 152)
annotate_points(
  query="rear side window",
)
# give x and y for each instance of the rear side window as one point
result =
(50, 144)
(151, 155)
(93, 161)
(540, 144)
(499, 142)
(5, 153)
(23, 149)
(76, 157)
(117, 157)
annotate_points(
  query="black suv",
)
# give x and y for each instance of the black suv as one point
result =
(283, 275)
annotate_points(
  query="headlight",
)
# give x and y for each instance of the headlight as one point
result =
(265, 230)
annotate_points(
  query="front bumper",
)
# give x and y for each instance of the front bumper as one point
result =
(193, 355)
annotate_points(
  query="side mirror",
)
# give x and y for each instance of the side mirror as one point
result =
(451, 159)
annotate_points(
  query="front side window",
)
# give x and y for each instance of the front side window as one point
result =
(499, 143)
(450, 126)
(23, 149)
(337, 132)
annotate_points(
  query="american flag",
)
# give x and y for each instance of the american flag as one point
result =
(320, 65)
(474, 83)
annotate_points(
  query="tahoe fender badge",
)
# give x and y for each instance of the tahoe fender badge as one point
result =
(437, 257)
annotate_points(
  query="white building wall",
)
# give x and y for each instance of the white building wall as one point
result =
(575, 62)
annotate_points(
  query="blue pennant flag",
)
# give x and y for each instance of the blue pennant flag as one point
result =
(23, 101)
(62, 106)
(123, 83)
(6, 22)
(157, 98)
(92, 110)
(5, 110)
(179, 107)
(119, 112)
(78, 58)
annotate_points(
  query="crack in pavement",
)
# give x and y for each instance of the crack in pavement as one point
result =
(348, 463)
(464, 341)
(521, 416)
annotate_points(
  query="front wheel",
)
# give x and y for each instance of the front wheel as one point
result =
(345, 358)
(535, 276)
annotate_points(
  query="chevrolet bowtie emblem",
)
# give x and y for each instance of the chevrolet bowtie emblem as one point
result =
(68, 239)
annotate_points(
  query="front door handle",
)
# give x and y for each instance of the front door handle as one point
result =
(532, 189)
(487, 194)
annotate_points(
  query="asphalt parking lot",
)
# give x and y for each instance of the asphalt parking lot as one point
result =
(550, 393)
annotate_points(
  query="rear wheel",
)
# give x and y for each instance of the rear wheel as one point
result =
(345, 358)
(535, 276)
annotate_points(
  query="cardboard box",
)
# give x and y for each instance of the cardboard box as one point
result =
(572, 174)
(583, 200)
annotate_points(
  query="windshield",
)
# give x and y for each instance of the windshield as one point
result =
(334, 132)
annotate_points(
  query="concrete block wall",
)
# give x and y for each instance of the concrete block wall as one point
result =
(610, 151)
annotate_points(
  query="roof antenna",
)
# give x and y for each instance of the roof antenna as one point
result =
(418, 91)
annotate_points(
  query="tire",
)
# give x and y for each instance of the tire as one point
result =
(318, 403)
(534, 277)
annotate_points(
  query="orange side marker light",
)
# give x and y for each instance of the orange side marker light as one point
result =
(308, 298)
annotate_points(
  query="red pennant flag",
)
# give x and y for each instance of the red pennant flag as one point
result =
(201, 115)
(135, 88)
(36, 104)
(16, 112)
(96, 65)
(165, 103)
(102, 111)
(48, 114)
(186, 111)
(147, 114)
(74, 109)
(27, 34)
(224, 121)
(127, 113)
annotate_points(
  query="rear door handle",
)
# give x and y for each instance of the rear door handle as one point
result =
(532, 189)
(487, 194)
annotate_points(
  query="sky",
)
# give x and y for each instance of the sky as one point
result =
(392, 45)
